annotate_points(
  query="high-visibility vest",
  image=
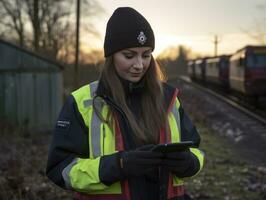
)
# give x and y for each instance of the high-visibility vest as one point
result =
(105, 140)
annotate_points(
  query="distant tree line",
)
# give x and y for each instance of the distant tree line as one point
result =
(174, 61)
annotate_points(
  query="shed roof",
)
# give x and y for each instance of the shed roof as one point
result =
(14, 58)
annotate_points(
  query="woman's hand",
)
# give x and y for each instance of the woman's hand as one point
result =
(127, 164)
(140, 162)
(178, 162)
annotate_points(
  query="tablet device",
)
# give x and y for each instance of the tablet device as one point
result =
(173, 147)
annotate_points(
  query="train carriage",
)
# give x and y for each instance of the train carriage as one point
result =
(247, 71)
(200, 69)
(191, 69)
(216, 71)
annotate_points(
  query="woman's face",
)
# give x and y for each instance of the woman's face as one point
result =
(131, 64)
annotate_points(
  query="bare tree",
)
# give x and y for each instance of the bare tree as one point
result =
(33, 10)
(51, 22)
(13, 19)
(90, 8)
(174, 60)
(257, 31)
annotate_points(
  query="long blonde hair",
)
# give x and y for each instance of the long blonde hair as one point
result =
(152, 118)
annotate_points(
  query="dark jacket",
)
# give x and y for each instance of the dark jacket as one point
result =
(70, 140)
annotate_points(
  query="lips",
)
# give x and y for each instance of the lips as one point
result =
(135, 74)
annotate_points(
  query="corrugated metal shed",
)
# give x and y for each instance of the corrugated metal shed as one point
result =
(31, 87)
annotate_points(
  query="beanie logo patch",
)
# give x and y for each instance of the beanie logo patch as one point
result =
(142, 38)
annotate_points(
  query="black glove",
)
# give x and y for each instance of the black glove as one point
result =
(125, 164)
(140, 162)
(179, 163)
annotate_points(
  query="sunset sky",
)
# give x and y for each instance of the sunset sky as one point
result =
(192, 23)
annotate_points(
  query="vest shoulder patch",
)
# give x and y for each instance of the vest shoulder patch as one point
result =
(63, 124)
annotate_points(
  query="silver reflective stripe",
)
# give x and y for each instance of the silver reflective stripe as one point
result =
(87, 103)
(93, 88)
(66, 171)
(95, 123)
(96, 135)
(177, 117)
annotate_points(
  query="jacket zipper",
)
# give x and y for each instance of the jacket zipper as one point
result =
(103, 139)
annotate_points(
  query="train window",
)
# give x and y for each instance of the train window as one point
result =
(241, 62)
(257, 61)
(224, 64)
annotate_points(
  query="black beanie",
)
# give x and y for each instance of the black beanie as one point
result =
(127, 28)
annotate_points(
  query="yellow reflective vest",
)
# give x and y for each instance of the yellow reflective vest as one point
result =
(82, 175)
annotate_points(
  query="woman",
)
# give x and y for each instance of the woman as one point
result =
(103, 140)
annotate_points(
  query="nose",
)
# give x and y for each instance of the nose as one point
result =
(138, 64)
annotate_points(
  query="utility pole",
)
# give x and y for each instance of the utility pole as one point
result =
(216, 42)
(77, 46)
(36, 24)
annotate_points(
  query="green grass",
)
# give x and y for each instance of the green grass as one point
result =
(225, 176)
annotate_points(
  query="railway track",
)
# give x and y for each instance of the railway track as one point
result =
(236, 102)
(246, 129)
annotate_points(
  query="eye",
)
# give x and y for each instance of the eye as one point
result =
(128, 55)
(146, 55)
